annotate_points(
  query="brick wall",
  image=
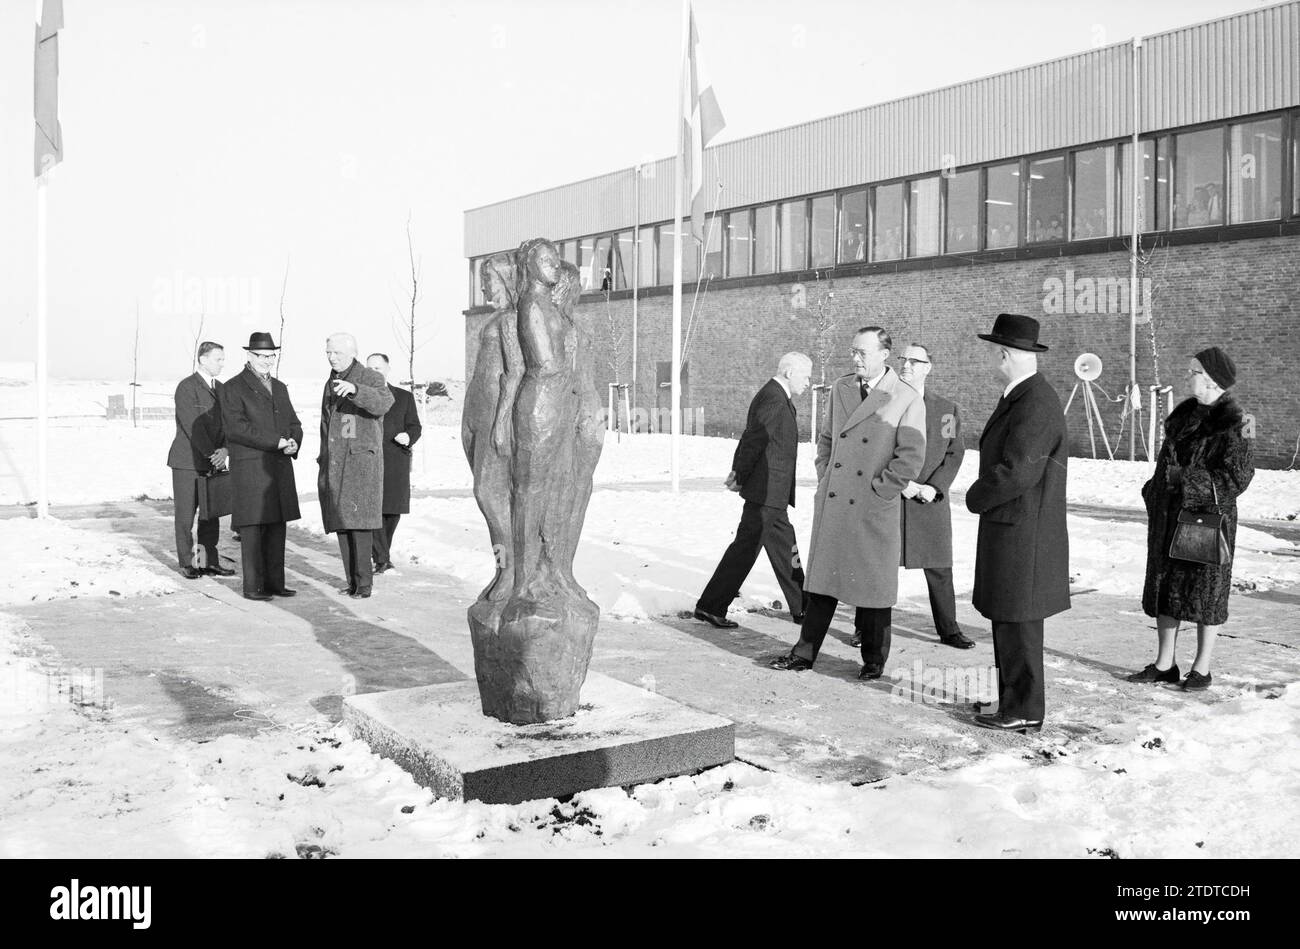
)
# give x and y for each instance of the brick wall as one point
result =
(1243, 295)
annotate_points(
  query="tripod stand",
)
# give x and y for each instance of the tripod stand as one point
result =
(1088, 367)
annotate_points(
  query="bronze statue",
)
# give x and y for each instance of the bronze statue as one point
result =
(533, 389)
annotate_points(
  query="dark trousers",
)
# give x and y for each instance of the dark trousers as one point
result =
(187, 505)
(354, 546)
(760, 528)
(871, 623)
(382, 539)
(943, 600)
(262, 547)
(1018, 654)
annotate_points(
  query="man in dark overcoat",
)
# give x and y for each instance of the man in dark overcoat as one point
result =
(401, 432)
(1022, 558)
(927, 516)
(351, 479)
(762, 472)
(263, 434)
(198, 449)
(870, 446)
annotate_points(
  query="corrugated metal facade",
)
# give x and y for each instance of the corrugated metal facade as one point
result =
(1238, 65)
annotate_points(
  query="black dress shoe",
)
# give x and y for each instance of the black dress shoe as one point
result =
(219, 571)
(283, 592)
(1152, 674)
(856, 640)
(361, 593)
(382, 568)
(1195, 682)
(257, 596)
(958, 641)
(790, 664)
(1002, 723)
(348, 590)
(190, 573)
(719, 621)
(796, 618)
(872, 670)
(982, 706)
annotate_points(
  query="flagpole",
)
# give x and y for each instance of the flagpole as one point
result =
(676, 383)
(42, 358)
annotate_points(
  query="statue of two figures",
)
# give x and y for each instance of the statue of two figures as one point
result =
(532, 432)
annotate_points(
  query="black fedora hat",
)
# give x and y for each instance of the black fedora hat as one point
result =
(260, 343)
(1015, 331)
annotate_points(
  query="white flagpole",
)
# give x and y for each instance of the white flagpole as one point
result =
(1133, 265)
(678, 188)
(42, 358)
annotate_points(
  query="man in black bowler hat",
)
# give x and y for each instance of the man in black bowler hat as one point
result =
(1022, 559)
(263, 435)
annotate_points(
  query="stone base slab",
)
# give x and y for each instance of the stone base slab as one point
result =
(621, 735)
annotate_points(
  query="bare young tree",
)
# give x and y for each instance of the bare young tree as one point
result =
(284, 287)
(135, 368)
(194, 350)
(405, 327)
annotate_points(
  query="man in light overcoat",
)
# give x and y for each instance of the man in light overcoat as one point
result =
(870, 446)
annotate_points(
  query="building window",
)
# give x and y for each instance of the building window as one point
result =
(1198, 178)
(853, 226)
(713, 247)
(887, 234)
(1154, 196)
(923, 217)
(645, 260)
(1045, 200)
(1295, 164)
(476, 282)
(586, 258)
(569, 252)
(1095, 189)
(665, 254)
(794, 235)
(1002, 205)
(823, 231)
(764, 239)
(1255, 192)
(963, 211)
(739, 243)
(622, 263)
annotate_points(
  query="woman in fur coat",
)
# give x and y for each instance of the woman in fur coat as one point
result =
(1204, 464)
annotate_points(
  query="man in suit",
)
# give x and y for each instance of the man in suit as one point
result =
(762, 471)
(401, 432)
(264, 434)
(927, 517)
(1022, 559)
(198, 448)
(870, 447)
(350, 484)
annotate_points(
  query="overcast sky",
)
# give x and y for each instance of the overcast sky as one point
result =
(209, 141)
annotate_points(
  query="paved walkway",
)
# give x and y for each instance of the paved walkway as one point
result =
(205, 662)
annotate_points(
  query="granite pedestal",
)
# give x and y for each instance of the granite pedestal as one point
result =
(620, 735)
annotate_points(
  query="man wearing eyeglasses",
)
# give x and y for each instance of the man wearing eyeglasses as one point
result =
(263, 434)
(926, 516)
(870, 447)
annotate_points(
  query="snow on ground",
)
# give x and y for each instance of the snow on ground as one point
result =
(649, 553)
(80, 783)
(50, 560)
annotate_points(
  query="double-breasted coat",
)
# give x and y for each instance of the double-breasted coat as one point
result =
(261, 475)
(350, 482)
(402, 417)
(867, 451)
(927, 525)
(1022, 556)
(198, 424)
(1208, 445)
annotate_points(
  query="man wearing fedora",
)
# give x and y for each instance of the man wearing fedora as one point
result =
(1022, 556)
(263, 435)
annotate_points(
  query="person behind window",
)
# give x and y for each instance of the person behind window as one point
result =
(1213, 204)
(1198, 215)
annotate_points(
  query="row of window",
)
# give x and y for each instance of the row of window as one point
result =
(1229, 173)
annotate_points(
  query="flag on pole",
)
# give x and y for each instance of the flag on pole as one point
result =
(49, 134)
(702, 121)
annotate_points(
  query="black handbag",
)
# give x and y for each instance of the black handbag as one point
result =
(214, 495)
(1201, 537)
